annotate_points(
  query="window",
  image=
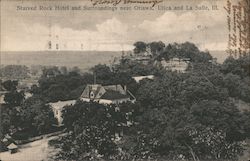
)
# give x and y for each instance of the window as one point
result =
(92, 94)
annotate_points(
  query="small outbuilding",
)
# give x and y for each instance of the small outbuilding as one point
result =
(12, 148)
(5, 140)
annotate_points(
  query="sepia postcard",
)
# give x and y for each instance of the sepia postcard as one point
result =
(125, 80)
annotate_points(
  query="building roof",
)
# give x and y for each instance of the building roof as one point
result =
(175, 64)
(5, 140)
(139, 78)
(110, 92)
(7, 136)
(12, 146)
(61, 104)
(95, 88)
(3, 92)
(117, 88)
(113, 95)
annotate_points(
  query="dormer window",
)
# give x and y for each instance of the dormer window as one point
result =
(92, 95)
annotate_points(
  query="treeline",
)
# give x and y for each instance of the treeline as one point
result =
(14, 71)
(55, 85)
(23, 72)
(159, 50)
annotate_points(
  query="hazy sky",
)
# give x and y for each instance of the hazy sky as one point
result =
(109, 30)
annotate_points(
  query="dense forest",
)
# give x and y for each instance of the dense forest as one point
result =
(177, 116)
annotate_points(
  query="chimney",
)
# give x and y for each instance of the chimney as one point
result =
(89, 91)
(125, 88)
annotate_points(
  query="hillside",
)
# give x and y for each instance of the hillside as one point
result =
(83, 59)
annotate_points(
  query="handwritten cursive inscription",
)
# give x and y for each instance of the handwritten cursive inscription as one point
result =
(117, 2)
(238, 17)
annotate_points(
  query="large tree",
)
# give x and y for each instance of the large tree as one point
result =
(237, 77)
(187, 115)
(92, 129)
(156, 47)
(14, 98)
(140, 47)
(240, 66)
(36, 115)
(10, 85)
(62, 87)
(185, 50)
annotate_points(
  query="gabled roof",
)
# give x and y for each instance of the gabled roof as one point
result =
(110, 92)
(95, 88)
(139, 78)
(7, 136)
(61, 104)
(12, 146)
(112, 95)
(117, 88)
(96, 91)
(5, 140)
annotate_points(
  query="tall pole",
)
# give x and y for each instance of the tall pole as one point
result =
(94, 78)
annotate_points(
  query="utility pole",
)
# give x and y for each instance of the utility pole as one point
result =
(94, 78)
(50, 36)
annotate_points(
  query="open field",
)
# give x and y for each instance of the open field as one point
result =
(83, 59)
